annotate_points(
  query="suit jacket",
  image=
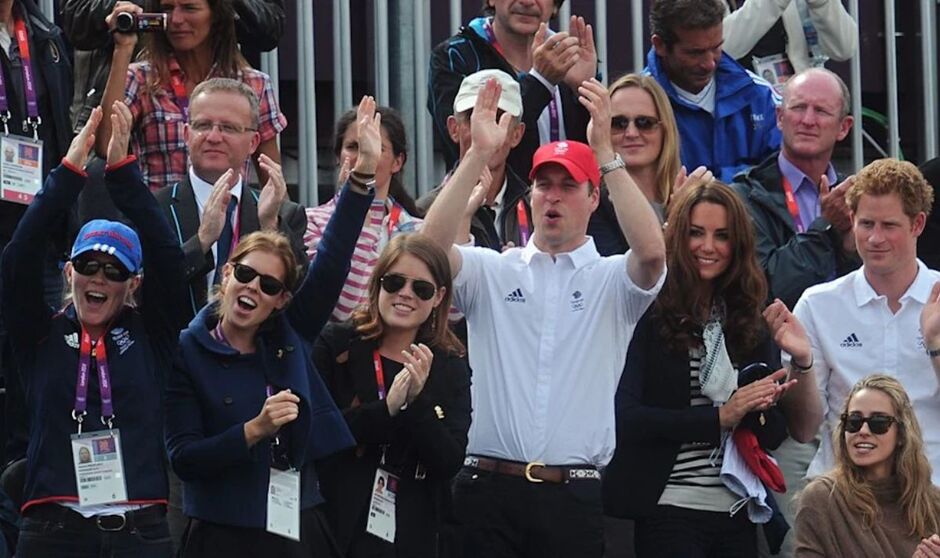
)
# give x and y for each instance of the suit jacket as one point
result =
(654, 419)
(179, 204)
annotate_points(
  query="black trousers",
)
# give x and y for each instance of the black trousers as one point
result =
(204, 539)
(683, 533)
(503, 516)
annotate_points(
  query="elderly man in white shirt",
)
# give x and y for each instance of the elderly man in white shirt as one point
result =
(884, 317)
(549, 325)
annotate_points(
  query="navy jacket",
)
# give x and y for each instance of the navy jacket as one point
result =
(214, 390)
(139, 344)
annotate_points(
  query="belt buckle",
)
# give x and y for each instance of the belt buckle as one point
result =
(109, 522)
(528, 471)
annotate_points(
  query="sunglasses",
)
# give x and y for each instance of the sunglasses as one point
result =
(877, 424)
(112, 272)
(270, 286)
(392, 283)
(620, 124)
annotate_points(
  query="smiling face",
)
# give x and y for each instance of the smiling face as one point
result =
(189, 23)
(873, 453)
(403, 310)
(244, 305)
(638, 148)
(561, 209)
(212, 152)
(98, 300)
(710, 240)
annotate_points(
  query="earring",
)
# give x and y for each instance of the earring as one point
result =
(434, 319)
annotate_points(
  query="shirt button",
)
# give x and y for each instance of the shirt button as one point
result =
(227, 400)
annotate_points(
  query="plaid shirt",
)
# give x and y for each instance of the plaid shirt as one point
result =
(372, 239)
(157, 137)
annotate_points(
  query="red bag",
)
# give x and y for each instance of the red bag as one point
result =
(758, 461)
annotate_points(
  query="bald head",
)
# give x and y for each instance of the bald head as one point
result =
(813, 116)
(819, 78)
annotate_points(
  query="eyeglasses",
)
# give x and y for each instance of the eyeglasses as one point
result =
(619, 124)
(393, 282)
(270, 286)
(225, 128)
(90, 266)
(878, 424)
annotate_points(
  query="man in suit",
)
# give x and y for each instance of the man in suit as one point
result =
(213, 207)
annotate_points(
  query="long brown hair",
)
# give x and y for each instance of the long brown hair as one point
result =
(435, 331)
(272, 242)
(911, 467)
(227, 58)
(742, 287)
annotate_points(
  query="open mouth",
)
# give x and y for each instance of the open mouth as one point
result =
(95, 298)
(246, 303)
(404, 308)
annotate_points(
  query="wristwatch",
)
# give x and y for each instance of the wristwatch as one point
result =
(933, 352)
(617, 163)
(802, 370)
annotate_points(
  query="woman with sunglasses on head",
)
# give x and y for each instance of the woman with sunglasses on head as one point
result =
(93, 373)
(679, 397)
(878, 500)
(399, 374)
(644, 135)
(247, 411)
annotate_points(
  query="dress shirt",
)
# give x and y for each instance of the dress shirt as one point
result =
(805, 190)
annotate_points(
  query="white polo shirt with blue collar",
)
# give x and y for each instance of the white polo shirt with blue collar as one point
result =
(547, 343)
(855, 334)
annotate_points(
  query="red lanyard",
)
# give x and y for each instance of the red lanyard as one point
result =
(523, 219)
(393, 217)
(379, 373)
(792, 207)
(179, 88)
(79, 410)
(29, 84)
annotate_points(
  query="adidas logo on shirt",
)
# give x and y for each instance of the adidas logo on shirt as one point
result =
(515, 296)
(851, 341)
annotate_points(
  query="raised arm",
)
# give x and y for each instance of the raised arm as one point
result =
(124, 44)
(930, 326)
(260, 23)
(487, 135)
(742, 28)
(637, 220)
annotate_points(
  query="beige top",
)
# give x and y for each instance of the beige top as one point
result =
(826, 526)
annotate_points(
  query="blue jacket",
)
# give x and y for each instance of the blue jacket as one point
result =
(214, 390)
(743, 130)
(140, 343)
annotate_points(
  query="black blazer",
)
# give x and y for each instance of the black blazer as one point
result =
(179, 204)
(428, 439)
(654, 419)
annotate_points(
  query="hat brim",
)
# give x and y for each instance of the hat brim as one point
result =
(574, 170)
(125, 261)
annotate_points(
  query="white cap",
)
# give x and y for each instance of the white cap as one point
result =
(510, 100)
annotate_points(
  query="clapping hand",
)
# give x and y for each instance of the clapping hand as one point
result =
(121, 123)
(595, 98)
(84, 141)
(930, 319)
(788, 333)
(585, 64)
(486, 134)
(216, 209)
(369, 124)
(272, 195)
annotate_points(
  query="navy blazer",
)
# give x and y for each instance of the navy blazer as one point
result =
(214, 390)
(654, 419)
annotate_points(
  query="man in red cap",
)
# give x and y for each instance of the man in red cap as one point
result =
(549, 324)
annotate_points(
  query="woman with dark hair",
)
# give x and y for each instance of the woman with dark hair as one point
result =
(247, 412)
(393, 211)
(399, 374)
(878, 500)
(93, 373)
(679, 398)
(198, 43)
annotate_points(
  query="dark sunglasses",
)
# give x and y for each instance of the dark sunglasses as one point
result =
(643, 123)
(90, 266)
(270, 286)
(878, 424)
(392, 283)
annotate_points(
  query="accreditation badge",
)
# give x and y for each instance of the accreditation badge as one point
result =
(99, 467)
(284, 503)
(381, 522)
(20, 168)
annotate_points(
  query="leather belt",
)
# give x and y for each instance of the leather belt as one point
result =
(534, 471)
(148, 515)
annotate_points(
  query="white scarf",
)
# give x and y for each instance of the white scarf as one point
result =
(716, 375)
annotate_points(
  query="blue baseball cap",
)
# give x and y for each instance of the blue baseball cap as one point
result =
(110, 237)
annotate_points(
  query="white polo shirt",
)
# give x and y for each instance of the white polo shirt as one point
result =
(547, 343)
(854, 334)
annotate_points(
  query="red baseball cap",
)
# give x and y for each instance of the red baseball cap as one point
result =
(577, 158)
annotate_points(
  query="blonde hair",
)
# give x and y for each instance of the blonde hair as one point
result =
(668, 163)
(918, 494)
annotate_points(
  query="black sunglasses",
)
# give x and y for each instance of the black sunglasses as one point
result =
(90, 266)
(392, 283)
(878, 424)
(643, 123)
(270, 286)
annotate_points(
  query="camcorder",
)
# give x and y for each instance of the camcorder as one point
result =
(140, 23)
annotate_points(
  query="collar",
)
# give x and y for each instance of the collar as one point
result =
(579, 257)
(797, 177)
(498, 200)
(202, 189)
(918, 291)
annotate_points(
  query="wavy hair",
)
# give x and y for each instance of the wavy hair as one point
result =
(435, 331)
(918, 494)
(683, 302)
(667, 164)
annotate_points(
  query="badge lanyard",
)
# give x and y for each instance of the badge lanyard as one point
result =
(393, 217)
(523, 219)
(179, 91)
(792, 207)
(379, 373)
(80, 408)
(29, 84)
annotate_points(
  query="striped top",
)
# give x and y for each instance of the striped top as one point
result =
(375, 234)
(694, 482)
